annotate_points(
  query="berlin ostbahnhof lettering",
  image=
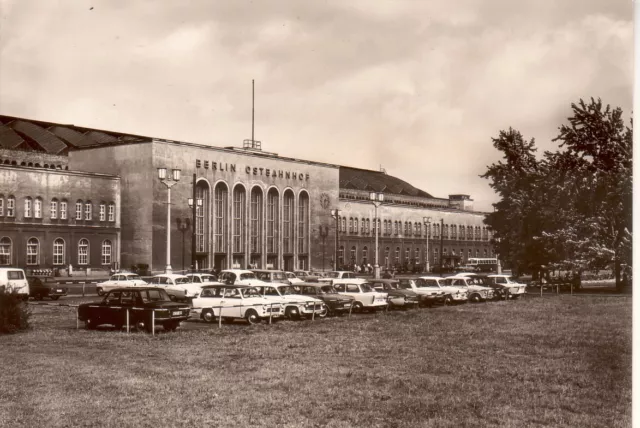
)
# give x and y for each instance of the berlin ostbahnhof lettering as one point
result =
(92, 199)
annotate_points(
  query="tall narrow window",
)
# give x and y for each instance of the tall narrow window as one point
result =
(79, 210)
(287, 222)
(355, 225)
(386, 256)
(103, 211)
(353, 255)
(350, 224)
(11, 206)
(54, 209)
(303, 223)
(365, 254)
(112, 212)
(63, 210)
(344, 224)
(272, 221)
(202, 225)
(32, 251)
(340, 257)
(28, 207)
(1, 205)
(256, 220)
(106, 252)
(58, 251)
(453, 231)
(238, 219)
(368, 227)
(407, 254)
(37, 208)
(83, 252)
(5, 251)
(397, 255)
(221, 196)
(87, 210)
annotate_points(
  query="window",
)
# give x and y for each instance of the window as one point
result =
(255, 220)
(353, 254)
(287, 222)
(407, 254)
(368, 226)
(58, 252)
(28, 207)
(350, 224)
(220, 201)
(201, 226)
(272, 221)
(11, 206)
(365, 254)
(5, 251)
(344, 224)
(355, 225)
(238, 219)
(1, 205)
(37, 208)
(419, 226)
(87, 210)
(469, 232)
(395, 228)
(416, 254)
(340, 257)
(32, 251)
(83, 252)
(112, 212)
(106, 252)
(103, 212)
(63, 210)
(303, 223)
(386, 256)
(415, 229)
(79, 210)
(54, 209)
(454, 228)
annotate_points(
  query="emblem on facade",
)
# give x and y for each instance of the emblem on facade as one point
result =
(324, 200)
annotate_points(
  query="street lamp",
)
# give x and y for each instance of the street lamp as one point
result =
(324, 232)
(336, 214)
(169, 182)
(183, 226)
(198, 205)
(377, 198)
(427, 226)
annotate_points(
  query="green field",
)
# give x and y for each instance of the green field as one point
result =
(551, 361)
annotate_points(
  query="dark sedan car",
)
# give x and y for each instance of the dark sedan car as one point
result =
(337, 304)
(398, 297)
(140, 303)
(38, 289)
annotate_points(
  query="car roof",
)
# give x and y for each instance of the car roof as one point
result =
(387, 280)
(169, 275)
(266, 270)
(237, 271)
(136, 289)
(226, 286)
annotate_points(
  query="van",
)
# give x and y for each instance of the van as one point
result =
(14, 280)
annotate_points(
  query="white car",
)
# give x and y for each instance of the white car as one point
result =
(239, 277)
(293, 278)
(296, 305)
(232, 302)
(203, 279)
(428, 290)
(477, 292)
(333, 276)
(119, 280)
(514, 288)
(453, 294)
(366, 297)
(178, 287)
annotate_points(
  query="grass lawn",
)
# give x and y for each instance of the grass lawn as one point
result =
(551, 361)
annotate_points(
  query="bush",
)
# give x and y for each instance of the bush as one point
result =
(14, 313)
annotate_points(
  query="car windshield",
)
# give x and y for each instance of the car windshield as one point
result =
(154, 296)
(208, 278)
(132, 277)
(279, 275)
(182, 280)
(270, 291)
(286, 290)
(249, 275)
(328, 289)
(332, 274)
(366, 287)
(251, 292)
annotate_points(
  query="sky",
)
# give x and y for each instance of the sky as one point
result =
(417, 87)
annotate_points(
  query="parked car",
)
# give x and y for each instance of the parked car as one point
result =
(452, 294)
(429, 291)
(337, 304)
(232, 302)
(398, 296)
(332, 276)
(293, 278)
(296, 305)
(271, 276)
(14, 280)
(178, 287)
(477, 292)
(307, 276)
(239, 277)
(203, 279)
(38, 289)
(509, 287)
(114, 307)
(119, 280)
(365, 295)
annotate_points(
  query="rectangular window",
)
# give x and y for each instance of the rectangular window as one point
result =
(32, 253)
(106, 254)
(28, 206)
(287, 219)
(87, 211)
(200, 244)
(63, 210)
(37, 208)
(238, 221)
(112, 212)
(1, 206)
(58, 252)
(11, 207)
(83, 254)
(54, 210)
(303, 222)
(272, 216)
(103, 212)
(220, 202)
(78, 210)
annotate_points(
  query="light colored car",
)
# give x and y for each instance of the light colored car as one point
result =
(366, 297)
(428, 290)
(178, 287)
(334, 275)
(515, 289)
(296, 305)
(271, 276)
(203, 279)
(477, 292)
(14, 280)
(401, 297)
(119, 280)
(452, 294)
(239, 277)
(293, 278)
(233, 302)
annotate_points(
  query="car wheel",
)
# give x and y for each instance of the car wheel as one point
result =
(100, 291)
(90, 324)
(208, 316)
(324, 312)
(475, 298)
(252, 317)
(357, 307)
(55, 297)
(171, 325)
(448, 301)
(292, 313)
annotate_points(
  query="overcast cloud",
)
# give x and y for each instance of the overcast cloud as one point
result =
(419, 87)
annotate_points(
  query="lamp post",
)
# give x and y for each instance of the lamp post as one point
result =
(336, 214)
(377, 198)
(324, 232)
(169, 182)
(441, 243)
(498, 265)
(183, 226)
(427, 226)
(194, 208)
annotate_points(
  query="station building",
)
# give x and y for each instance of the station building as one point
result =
(258, 209)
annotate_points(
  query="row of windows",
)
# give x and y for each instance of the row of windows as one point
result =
(33, 208)
(407, 228)
(408, 254)
(33, 252)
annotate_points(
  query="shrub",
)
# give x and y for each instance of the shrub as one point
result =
(14, 313)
